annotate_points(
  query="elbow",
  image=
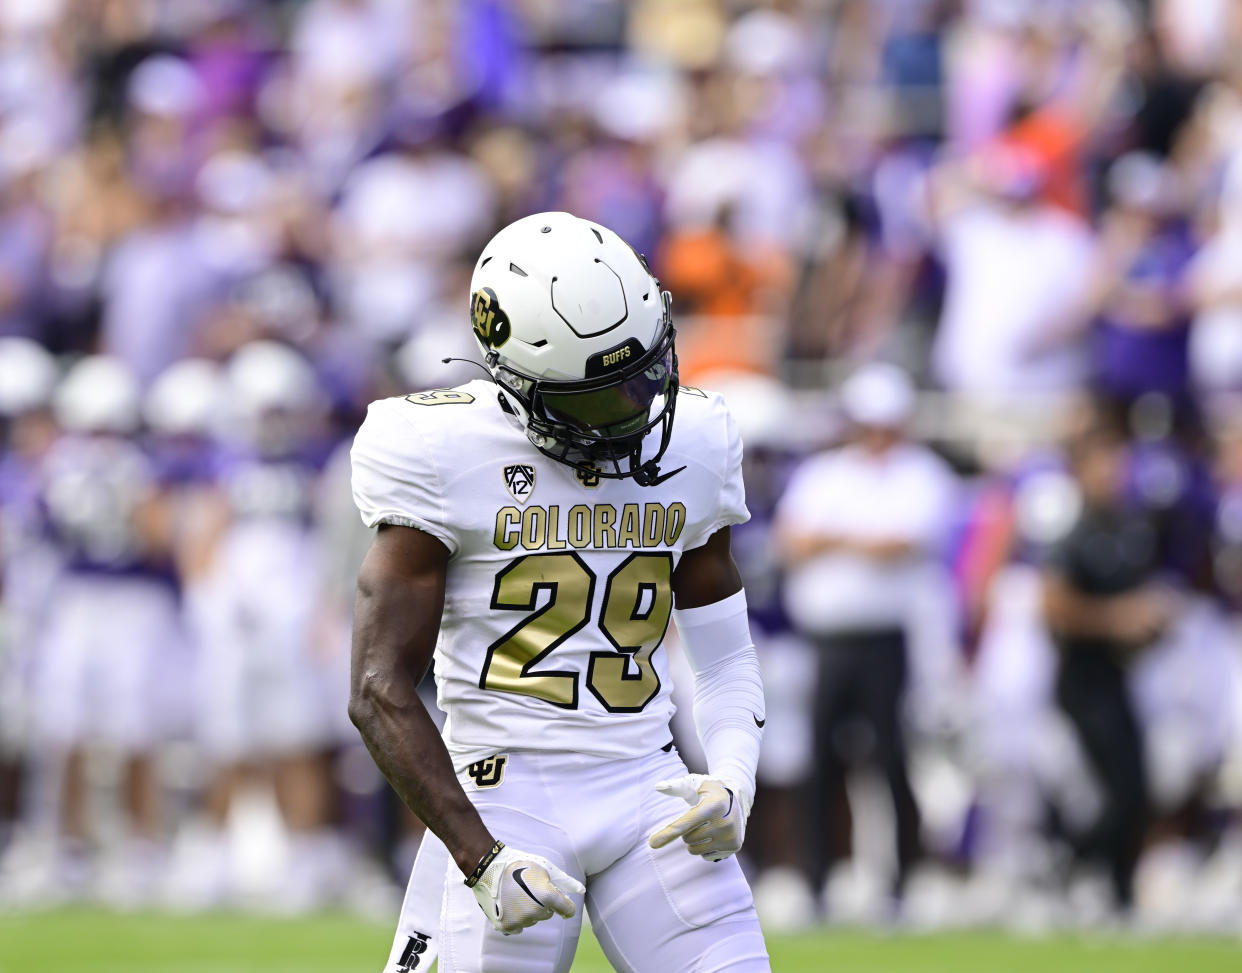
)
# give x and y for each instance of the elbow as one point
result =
(359, 710)
(1054, 606)
(364, 702)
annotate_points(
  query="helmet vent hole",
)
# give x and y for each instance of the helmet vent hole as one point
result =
(484, 263)
(539, 344)
(597, 235)
(514, 268)
(597, 260)
(647, 295)
(546, 229)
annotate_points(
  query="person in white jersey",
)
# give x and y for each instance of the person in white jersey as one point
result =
(859, 529)
(538, 530)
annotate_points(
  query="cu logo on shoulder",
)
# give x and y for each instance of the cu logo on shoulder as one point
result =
(488, 772)
(412, 953)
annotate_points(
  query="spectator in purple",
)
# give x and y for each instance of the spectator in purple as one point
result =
(1139, 300)
(228, 53)
(25, 229)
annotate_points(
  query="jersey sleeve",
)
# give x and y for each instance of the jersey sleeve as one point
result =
(395, 476)
(731, 504)
(733, 490)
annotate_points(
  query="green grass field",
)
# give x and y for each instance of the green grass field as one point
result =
(82, 941)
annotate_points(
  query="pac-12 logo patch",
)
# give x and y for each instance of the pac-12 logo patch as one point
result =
(489, 771)
(520, 481)
(412, 953)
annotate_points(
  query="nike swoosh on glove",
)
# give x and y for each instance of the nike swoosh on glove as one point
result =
(715, 826)
(519, 889)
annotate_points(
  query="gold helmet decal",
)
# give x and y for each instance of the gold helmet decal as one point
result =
(491, 324)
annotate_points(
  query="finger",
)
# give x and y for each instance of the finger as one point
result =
(697, 836)
(559, 902)
(541, 886)
(528, 920)
(676, 828)
(681, 787)
(566, 883)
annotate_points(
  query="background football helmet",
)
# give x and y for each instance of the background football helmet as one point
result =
(578, 335)
(99, 394)
(28, 375)
(186, 399)
(274, 397)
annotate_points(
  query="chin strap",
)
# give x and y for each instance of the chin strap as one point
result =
(648, 475)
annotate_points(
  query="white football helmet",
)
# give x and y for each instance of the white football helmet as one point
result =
(28, 375)
(98, 395)
(578, 335)
(186, 399)
(268, 376)
(274, 396)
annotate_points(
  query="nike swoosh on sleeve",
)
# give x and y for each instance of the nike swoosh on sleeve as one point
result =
(517, 877)
(758, 722)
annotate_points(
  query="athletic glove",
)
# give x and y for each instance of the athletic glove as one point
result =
(517, 890)
(716, 824)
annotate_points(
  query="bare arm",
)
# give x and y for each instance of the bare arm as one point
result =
(396, 621)
(1135, 617)
(796, 547)
(706, 574)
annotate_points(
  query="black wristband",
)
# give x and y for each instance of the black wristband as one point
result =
(481, 867)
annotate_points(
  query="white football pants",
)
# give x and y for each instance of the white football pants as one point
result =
(664, 911)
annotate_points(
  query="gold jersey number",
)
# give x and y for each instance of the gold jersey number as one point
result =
(440, 397)
(637, 605)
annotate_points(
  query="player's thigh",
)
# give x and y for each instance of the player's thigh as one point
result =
(61, 671)
(658, 910)
(661, 910)
(469, 943)
(143, 626)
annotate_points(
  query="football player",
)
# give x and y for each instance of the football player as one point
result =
(28, 564)
(539, 530)
(253, 613)
(115, 614)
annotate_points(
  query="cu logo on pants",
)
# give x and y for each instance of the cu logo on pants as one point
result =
(488, 772)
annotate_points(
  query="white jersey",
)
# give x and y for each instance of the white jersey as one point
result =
(559, 584)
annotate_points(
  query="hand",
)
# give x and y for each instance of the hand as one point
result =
(517, 890)
(1142, 616)
(715, 826)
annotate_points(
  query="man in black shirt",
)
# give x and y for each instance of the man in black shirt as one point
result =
(1103, 606)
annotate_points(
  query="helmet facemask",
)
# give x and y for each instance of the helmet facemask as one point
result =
(599, 424)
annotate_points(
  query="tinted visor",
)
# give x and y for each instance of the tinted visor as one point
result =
(618, 409)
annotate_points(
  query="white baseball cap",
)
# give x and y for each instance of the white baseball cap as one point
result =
(878, 394)
(166, 86)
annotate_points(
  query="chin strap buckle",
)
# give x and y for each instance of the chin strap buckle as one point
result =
(648, 475)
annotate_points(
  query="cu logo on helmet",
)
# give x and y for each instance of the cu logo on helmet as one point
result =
(491, 324)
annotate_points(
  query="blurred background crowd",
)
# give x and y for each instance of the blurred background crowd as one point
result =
(969, 272)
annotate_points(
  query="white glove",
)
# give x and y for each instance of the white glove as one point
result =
(715, 826)
(517, 890)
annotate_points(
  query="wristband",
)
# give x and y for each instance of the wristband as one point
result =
(481, 867)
